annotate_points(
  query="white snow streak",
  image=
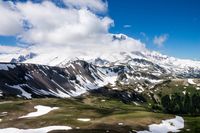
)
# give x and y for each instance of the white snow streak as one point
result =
(37, 130)
(24, 93)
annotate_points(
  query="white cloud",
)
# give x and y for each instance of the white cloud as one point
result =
(71, 31)
(160, 40)
(62, 26)
(94, 5)
(9, 52)
(8, 49)
(10, 23)
(127, 26)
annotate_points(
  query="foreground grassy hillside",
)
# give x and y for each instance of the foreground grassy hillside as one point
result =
(105, 114)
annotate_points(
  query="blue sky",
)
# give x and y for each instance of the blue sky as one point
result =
(179, 20)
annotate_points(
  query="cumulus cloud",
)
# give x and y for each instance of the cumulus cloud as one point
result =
(62, 26)
(160, 40)
(9, 49)
(93, 5)
(10, 23)
(73, 31)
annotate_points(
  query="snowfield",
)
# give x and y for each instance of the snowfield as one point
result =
(41, 110)
(171, 125)
(37, 130)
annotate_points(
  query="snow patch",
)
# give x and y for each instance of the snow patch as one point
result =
(190, 81)
(120, 124)
(37, 130)
(83, 119)
(3, 113)
(170, 125)
(184, 92)
(41, 110)
(115, 88)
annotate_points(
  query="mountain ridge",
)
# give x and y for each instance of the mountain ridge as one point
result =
(81, 76)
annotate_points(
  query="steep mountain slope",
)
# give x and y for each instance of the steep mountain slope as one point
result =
(73, 78)
(136, 76)
(29, 80)
(132, 79)
(77, 77)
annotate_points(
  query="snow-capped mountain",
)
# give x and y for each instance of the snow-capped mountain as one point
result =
(23, 58)
(29, 80)
(56, 75)
(60, 56)
(172, 65)
(73, 78)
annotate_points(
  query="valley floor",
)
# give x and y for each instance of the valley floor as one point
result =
(83, 115)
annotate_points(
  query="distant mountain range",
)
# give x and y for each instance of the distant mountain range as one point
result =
(131, 77)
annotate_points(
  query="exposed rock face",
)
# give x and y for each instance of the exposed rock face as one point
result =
(77, 77)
